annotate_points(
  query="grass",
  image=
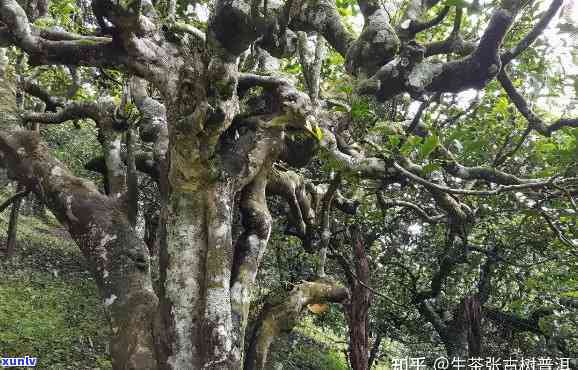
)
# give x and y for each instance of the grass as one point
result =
(335, 343)
(49, 304)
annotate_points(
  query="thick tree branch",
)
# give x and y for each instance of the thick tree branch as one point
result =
(236, 24)
(408, 31)
(292, 187)
(377, 44)
(58, 34)
(369, 167)
(71, 111)
(179, 27)
(454, 43)
(426, 309)
(422, 26)
(128, 17)
(118, 259)
(516, 322)
(88, 51)
(34, 89)
(311, 63)
(410, 73)
(321, 16)
(144, 162)
(476, 70)
(249, 251)
(488, 174)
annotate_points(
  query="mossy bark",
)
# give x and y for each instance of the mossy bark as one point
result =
(249, 252)
(110, 140)
(197, 256)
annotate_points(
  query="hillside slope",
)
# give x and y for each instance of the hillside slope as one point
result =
(49, 306)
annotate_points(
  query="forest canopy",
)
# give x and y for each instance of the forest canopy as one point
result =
(399, 175)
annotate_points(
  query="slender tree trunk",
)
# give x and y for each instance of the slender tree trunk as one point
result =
(13, 227)
(462, 338)
(115, 176)
(38, 208)
(358, 309)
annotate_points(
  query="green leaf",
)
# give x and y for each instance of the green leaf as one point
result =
(317, 133)
(339, 108)
(414, 140)
(394, 140)
(411, 143)
(502, 106)
(430, 143)
(430, 167)
(546, 147)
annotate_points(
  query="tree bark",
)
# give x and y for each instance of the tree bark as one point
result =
(206, 281)
(13, 227)
(358, 308)
(249, 252)
(211, 158)
(462, 334)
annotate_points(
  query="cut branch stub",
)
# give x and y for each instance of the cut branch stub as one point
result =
(281, 314)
